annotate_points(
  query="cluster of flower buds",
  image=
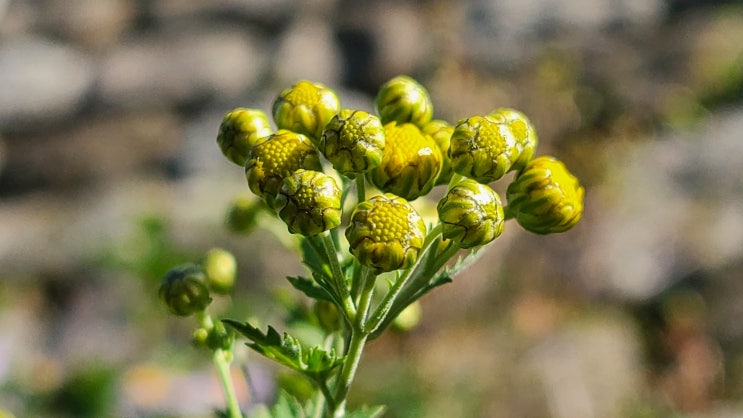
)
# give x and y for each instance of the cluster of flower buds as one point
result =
(403, 152)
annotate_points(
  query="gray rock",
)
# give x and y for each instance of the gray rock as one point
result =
(181, 68)
(307, 51)
(43, 81)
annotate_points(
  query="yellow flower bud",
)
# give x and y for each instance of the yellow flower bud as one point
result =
(309, 202)
(305, 108)
(241, 129)
(482, 149)
(522, 129)
(353, 141)
(441, 132)
(220, 267)
(404, 100)
(471, 214)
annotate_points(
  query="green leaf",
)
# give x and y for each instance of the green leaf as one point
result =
(366, 412)
(313, 361)
(309, 288)
(287, 406)
(314, 257)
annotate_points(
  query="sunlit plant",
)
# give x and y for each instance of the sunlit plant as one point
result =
(342, 182)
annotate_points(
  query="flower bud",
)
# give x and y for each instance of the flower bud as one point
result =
(482, 149)
(522, 129)
(275, 159)
(353, 141)
(184, 291)
(220, 267)
(545, 197)
(240, 130)
(404, 100)
(411, 162)
(328, 315)
(386, 233)
(471, 214)
(305, 108)
(441, 132)
(309, 202)
(242, 215)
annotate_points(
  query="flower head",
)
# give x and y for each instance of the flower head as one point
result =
(411, 162)
(482, 149)
(386, 233)
(404, 100)
(309, 202)
(441, 132)
(275, 159)
(522, 129)
(353, 141)
(471, 214)
(183, 290)
(545, 197)
(220, 267)
(240, 130)
(305, 108)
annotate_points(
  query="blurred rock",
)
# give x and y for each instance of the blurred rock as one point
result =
(307, 51)
(43, 82)
(91, 23)
(676, 208)
(181, 68)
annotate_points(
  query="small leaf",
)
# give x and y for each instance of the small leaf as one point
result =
(367, 412)
(309, 288)
(314, 257)
(288, 351)
(287, 406)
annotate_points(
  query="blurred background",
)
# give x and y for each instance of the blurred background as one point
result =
(110, 174)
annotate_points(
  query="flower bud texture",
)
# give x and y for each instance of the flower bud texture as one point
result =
(309, 202)
(183, 290)
(522, 129)
(441, 132)
(353, 141)
(545, 197)
(411, 162)
(404, 100)
(240, 130)
(482, 149)
(385, 233)
(471, 214)
(275, 159)
(305, 108)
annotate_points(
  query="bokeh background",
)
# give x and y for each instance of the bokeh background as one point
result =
(110, 174)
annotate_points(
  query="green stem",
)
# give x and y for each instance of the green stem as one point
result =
(350, 365)
(222, 364)
(339, 278)
(360, 188)
(508, 213)
(368, 280)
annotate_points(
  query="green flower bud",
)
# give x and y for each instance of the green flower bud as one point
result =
(241, 129)
(482, 149)
(327, 315)
(309, 202)
(386, 233)
(353, 141)
(522, 129)
(404, 100)
(471, 214)
(306, 108)
(408, 318)
(275, 159)
(242, 215)
(220, 267)
(545, 197)
(441, 132)
(411, 162)
(183, 290)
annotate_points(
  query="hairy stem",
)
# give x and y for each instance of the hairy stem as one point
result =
(222, 364)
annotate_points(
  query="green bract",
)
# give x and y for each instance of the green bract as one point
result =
(353, 141)
(471, 214)
(242, 215)
(183, 290)
(522, 129)
(309, 202)
(239, 131)
(441, 132)
(545, 198)
(277, 158)
(220, 267)
(404, 100)
(386, 233)
(482, 149)
(305, 108)
(411, 163)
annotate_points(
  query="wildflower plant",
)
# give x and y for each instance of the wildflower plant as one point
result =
(342, 182)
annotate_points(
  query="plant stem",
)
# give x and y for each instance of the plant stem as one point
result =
(339, 278)
(353, 357)
(360, 189)
(368, 280)
(222, 365)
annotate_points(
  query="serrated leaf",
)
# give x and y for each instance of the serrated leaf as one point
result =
(309, 288)
(315, 258)
(288, 350)
(287, 406)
